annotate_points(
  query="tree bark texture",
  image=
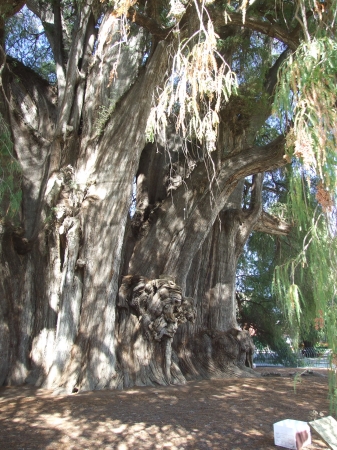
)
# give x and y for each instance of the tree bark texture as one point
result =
(81, 144)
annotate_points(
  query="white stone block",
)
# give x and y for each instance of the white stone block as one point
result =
(293, 434)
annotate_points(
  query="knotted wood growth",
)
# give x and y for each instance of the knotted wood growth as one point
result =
(160, 308)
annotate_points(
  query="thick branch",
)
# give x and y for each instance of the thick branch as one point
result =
(272, 225)
(50, 17)
(42, 11)
(73, 75)
(271, 78)
(255, 203)
(7, 9)
(194, 213)
(57, 46)
(264, 27)
(150, 24)
(256, 159)
(250, 217)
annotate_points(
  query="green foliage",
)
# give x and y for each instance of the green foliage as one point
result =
(104, 114)
(292, 263)
(315, 259)
(306, 283)
(306, 96)
(257, 306)
(26, 42)
(267, 133)
(286, 354)
(305, 101)
(10, 176)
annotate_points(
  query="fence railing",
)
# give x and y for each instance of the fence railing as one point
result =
(306, 357)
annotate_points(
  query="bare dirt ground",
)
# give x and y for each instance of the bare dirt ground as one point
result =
(233, 414)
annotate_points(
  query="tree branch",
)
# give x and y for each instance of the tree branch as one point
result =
(57, 46)
(7, 9)
(271, 78)
(52, 24)
(77, 51)
(192, 224)
(264, 27)
(252, 216)
(272, 225)
(255, 201)
(256, 159)
(150, 24)
(43, 12)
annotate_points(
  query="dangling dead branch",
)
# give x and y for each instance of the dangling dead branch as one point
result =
(200, 79)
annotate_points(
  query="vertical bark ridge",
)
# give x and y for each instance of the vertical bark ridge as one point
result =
(103, 225)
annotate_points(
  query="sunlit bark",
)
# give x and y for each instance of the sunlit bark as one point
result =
(80, 145)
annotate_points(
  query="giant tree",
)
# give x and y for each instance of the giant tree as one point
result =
(163, 101)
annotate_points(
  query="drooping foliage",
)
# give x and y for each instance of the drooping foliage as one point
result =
(306, 98)
(275, 310)
(305, 281)
(305, 101)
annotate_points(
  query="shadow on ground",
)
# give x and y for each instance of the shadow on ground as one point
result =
(233, 414)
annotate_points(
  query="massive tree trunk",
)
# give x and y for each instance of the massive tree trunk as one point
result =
(197, 239)
(78, 179)
(80, 147)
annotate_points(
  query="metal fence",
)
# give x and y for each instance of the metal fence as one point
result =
(306, 357)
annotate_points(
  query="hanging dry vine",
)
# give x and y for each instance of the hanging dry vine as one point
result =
(200, 79)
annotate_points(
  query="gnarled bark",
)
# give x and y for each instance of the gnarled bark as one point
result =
(80, 146)
(71, 342)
